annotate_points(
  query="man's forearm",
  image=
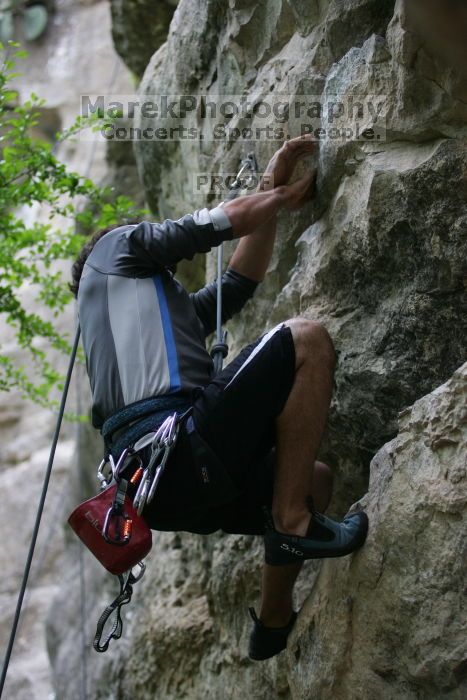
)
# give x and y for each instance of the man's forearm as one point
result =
(253, 253)
(254, 217)
(248, 213)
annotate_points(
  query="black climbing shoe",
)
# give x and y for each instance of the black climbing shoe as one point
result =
(267, 641)
(325, 538)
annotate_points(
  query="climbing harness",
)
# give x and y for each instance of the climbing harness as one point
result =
(111, 525)
(248, 170)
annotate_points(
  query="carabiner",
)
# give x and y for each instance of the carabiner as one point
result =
(105, 479)
(122, 536)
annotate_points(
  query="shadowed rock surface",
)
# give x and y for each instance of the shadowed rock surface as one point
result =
(139, 28)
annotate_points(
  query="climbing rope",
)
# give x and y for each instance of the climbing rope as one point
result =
(40, 509)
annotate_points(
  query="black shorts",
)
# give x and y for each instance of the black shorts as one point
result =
(235, 414)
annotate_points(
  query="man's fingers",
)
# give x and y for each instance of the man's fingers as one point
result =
(282, 164)
(301, 191)
(299, 147)
(306, 141)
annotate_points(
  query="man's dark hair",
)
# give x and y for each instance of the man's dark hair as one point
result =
(77, 269)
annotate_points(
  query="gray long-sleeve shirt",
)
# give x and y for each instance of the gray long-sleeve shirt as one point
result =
(143, 334)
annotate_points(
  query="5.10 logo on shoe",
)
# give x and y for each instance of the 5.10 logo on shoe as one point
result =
(292, 550)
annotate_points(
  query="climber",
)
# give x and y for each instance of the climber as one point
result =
(263, 415)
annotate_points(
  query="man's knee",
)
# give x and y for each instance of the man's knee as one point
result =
(311, 339)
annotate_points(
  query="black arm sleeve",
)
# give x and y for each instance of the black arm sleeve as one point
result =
(236, 290)
(171, 241)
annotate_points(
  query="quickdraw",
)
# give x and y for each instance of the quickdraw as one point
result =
(115, 608)
(161, 447)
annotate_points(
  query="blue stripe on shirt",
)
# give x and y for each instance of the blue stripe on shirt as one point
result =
(172, 359)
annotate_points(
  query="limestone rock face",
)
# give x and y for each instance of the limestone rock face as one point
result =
(390, 621)
(379, 257)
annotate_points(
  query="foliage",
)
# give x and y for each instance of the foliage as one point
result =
(31, 178)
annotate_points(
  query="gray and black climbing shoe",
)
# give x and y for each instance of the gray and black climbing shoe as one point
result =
(325, 538)
(266, 642)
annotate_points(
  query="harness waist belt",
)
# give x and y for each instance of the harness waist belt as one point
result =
(129, 424)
